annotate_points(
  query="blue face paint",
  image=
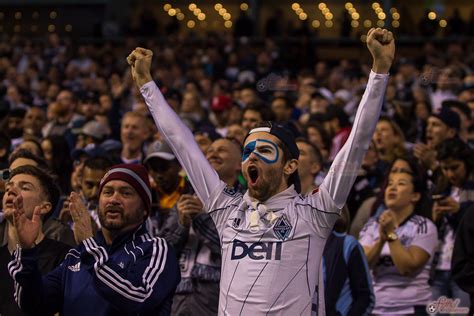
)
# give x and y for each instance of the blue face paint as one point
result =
(264, 149)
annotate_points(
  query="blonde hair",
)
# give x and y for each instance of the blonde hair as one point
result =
(398, 149)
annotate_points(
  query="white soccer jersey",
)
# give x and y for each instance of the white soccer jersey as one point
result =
(273, 267)
(271, 251)
(396, 293)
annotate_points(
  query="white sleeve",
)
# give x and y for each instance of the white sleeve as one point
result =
(202, 176)
(344, 169)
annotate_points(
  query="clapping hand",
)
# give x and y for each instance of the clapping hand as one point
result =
(188, 206)
(27, 229)
(80, 216)
(387, 224)
(426, 155)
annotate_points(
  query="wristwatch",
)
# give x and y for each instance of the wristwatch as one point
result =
(392, 237)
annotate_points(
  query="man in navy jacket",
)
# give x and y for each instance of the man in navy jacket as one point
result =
(123, 270)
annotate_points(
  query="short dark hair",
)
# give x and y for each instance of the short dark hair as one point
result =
(455, 148)
(316, 151)
(98, 163)
(265, 112)
(34, 140)
(288, 103)
(46, 180)
(337, 112)
(23, 153)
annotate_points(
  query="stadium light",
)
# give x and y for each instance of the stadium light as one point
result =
(316, 24)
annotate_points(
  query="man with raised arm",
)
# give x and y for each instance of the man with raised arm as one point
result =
(272, 237)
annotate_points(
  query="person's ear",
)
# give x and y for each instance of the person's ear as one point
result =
(46, 207)
(451, 133)
(315, 168)
(290, 166)
(416, 197)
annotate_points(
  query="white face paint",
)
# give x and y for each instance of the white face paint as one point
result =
(264, 149)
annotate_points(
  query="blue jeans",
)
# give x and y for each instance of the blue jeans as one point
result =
(444, 285)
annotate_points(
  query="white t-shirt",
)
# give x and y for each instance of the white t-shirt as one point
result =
(395, 293)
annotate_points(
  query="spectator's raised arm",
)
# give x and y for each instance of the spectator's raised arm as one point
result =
(344, 169)
(202, 176)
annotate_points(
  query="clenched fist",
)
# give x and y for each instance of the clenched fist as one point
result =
(382, 47)
(140, 61)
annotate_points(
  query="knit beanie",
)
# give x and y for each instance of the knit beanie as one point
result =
(135, 175)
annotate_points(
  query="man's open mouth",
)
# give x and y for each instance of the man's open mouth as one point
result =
(253, 174)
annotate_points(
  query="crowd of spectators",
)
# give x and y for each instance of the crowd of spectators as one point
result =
(73, 109)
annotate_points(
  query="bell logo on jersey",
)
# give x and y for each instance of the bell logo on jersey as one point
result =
(256, 250)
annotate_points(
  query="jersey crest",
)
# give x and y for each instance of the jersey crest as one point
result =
(282, 228)
(229, 191)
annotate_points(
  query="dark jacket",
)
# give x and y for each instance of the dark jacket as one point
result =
(137, 274)
(347, 281)
(50, 254)
(463, 255)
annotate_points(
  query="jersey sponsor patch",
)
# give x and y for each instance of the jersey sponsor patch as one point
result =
(256, 250)
(282, 228)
